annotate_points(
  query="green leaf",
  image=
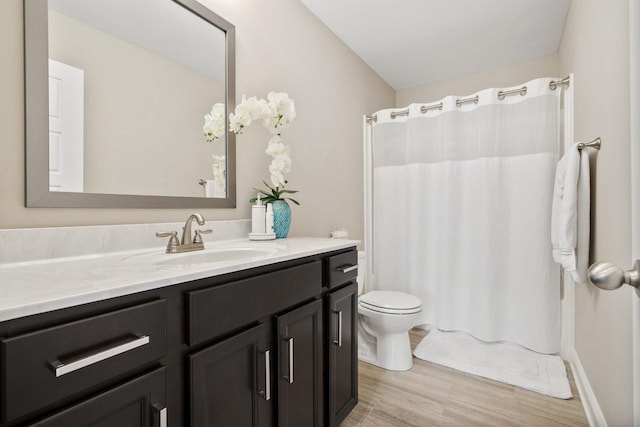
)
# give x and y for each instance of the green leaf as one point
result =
(265, 200)
(262, 191)
(294, 201)
(289, 191)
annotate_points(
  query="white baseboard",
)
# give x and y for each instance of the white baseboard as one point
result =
(594, 413)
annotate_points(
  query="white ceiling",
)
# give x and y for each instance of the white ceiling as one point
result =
(414, 42)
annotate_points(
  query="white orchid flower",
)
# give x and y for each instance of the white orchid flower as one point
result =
(214, 123)
(282, 112)
(218, 163)
(241, 117)
(258, 108)
(278, 149)
(281, 164)
(276, 114)
(277, 178)
(275, 139)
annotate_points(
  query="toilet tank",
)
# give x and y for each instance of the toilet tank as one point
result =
(362, 268)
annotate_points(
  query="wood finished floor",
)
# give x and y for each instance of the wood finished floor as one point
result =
(433, 395)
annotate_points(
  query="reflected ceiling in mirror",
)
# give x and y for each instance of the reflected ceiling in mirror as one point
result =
(128, 85)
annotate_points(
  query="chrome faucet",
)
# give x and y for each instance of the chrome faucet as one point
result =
(189, 242)
(186, 230)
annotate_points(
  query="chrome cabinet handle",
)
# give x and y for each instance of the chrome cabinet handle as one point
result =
(290, 360)
(339, 341)
(608, 276)
(161, 413)
(290, 373)
(266, 394)
(65, 368)
(348, 268)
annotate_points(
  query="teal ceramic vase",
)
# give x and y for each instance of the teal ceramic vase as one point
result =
(281, 218)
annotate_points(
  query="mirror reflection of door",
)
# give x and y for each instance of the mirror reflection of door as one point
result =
(66, 127)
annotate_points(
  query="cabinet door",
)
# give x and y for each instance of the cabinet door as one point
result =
(137, 403)
(342, 347)
(230, 381)
(299, 337)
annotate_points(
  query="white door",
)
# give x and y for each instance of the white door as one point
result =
(609, 276)
(66, 127)
(612, 277)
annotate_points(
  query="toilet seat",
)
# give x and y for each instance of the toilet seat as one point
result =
(390, 302)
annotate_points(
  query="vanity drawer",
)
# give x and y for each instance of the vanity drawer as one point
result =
(342, 268)
(43, 367)
(223, 308)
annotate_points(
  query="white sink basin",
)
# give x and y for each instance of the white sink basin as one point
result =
(208, 255)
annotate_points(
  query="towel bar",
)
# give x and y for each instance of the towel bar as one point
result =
(596, 143)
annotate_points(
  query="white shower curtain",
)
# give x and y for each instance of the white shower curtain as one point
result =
(461, 214)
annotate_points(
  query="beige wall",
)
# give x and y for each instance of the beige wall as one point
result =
(595, 47)
(280, 46)
(504, 76)
(159, 106)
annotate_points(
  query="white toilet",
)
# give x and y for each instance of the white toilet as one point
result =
(385, 318)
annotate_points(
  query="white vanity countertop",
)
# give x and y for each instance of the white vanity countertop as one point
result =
(28, 288)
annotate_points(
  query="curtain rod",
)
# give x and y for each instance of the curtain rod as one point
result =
(596, 143)
(553, 85)
(522, 92)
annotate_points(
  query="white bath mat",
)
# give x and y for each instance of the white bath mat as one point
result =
(505, 362)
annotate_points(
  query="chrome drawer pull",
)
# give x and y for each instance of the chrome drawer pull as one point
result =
(65, 368)
(267, 376)
(348, 268)
(290, 360)
(339, 341)
(290, 346)
(162, 415)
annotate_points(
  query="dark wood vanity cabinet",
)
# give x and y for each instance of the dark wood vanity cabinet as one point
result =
(274, 345)
(341, 311)
(300, 367)
(237, 381)
(342, 350)
(230, 381)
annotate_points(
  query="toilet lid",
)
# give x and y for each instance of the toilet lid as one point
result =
(391, 302)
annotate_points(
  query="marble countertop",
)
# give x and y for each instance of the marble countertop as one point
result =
(33, 287)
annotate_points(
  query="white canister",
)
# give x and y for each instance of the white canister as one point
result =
(258, 217)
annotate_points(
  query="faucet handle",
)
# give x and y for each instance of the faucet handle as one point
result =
(173, 244)
(198, 237)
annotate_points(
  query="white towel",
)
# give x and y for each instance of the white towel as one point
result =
(584, 219)
(570, 213)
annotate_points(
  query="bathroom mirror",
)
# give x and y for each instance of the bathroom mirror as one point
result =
(116, 97)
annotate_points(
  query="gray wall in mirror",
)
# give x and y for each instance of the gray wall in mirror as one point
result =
(145, 74)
